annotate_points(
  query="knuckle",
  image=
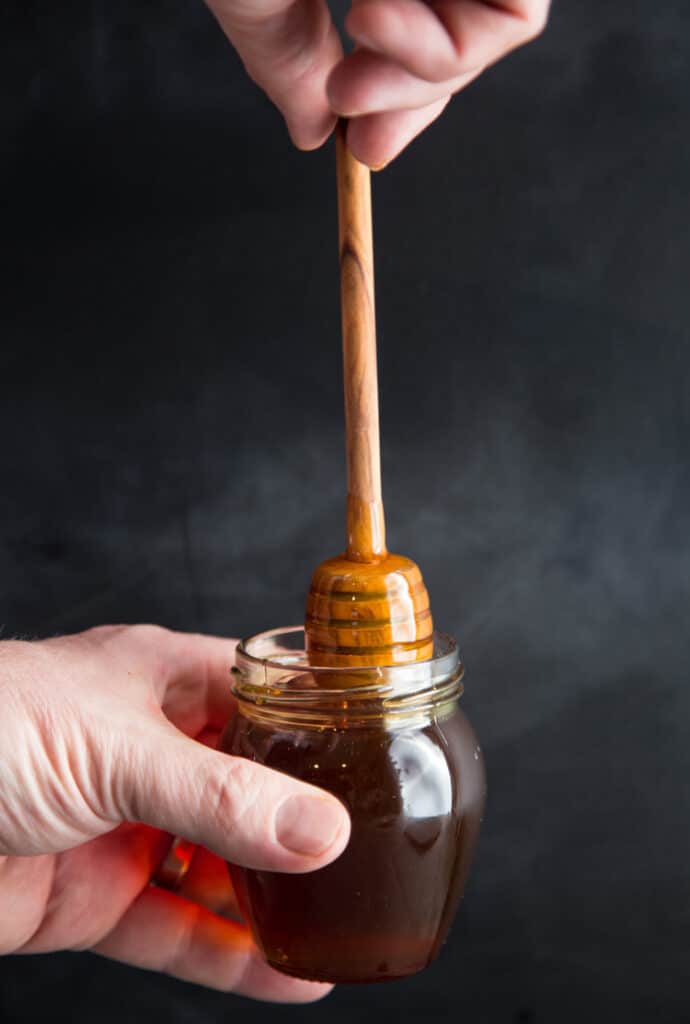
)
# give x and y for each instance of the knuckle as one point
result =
(229, 791)
(145, 633)
(141, 635)
(150, 646)
(105, 632)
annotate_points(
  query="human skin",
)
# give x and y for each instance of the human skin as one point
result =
(105, 753)
(411, 56)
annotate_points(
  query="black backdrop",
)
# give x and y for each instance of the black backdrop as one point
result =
(171, 448)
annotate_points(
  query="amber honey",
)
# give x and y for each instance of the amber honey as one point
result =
(399, 753)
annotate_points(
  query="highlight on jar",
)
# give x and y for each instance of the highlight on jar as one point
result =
(392, 743)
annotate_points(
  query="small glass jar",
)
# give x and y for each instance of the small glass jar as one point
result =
(393, 745)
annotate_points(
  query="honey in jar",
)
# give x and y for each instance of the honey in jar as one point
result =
(393, 745)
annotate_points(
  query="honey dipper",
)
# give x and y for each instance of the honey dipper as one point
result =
(366, 606)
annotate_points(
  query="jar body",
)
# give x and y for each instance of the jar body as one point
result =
(414, 788)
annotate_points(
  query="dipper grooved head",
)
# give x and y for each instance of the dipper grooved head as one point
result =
(373, 613)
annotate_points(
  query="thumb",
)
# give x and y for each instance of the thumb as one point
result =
(289, 48)
(240, 810)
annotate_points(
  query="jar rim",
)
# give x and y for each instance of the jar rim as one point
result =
(275, 658)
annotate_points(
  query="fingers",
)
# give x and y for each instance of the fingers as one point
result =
(90, 888)
(189, 674)
(93, 884)
(418, 54)
(163, 932)
(241, 811)
(289, 48)
(440, 40)
(395, 29)
(151, 773)
(387, 106)
(197, 680)
(208, 883)
(413, 56)
(25, 886)
(366, 83)
(377, 138)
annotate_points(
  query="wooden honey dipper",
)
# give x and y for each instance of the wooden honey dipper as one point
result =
(365, 607)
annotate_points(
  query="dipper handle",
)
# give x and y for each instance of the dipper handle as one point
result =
(366, 531)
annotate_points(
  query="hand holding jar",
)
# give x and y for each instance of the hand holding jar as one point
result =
(102, 761)
(105, 757)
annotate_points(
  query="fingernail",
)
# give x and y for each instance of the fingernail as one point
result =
(379, 167)
(308, 825)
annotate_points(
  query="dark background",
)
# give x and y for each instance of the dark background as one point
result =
(172, 448)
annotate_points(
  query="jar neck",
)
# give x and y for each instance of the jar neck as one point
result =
(275, 683)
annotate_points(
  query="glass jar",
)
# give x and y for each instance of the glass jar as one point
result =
(393, 745)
